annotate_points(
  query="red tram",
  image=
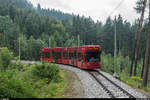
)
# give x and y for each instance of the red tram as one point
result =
(85, 57)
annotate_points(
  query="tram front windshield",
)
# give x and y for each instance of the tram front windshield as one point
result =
(92, 56)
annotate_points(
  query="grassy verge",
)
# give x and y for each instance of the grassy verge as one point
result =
(23, 83)
(134, 82)
(18, 80)
(48, 90)
(123, 69)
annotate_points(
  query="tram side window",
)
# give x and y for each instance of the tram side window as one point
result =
(42, 55)
(79, 56)
(59, 55)
(74, 55)
(53, 54)
(56, 55)
(70, 55)
(47, 54)
(65, 55)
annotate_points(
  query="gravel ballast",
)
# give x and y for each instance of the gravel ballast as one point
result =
(125, 86)
(91, 87)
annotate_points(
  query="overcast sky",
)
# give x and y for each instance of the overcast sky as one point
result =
(97, 9)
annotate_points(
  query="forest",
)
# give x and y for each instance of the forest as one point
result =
(20, 20)
(36, 28)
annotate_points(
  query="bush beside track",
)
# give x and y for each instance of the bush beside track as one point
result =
(123, 69)
(30, 80)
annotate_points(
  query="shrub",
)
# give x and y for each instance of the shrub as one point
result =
(107, 63)
(19, 66)
(5, 58)
(136, 78)
(12, 86)
(123, 63)
(46, 71)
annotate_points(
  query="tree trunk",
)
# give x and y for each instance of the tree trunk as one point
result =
(139, 37)
(142, 68)
(147, 55)
(133, 56)
(131, 67)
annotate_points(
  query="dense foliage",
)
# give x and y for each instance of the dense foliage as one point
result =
(46, 71)
(36, 28)
(5, 58)
(12, 86)
(55, 13)
(123, 67)
(28, 80)
(123, 64)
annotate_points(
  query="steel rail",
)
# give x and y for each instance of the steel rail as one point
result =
(104, 87)
(123, 90)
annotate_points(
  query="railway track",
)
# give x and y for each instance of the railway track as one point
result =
(109, 86)
(113, 90)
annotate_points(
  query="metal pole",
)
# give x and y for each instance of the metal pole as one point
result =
(115, 52)
(19, 48)
(72, 41)
(78, 40)
(49, 41)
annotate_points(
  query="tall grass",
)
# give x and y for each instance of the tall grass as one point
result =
(123, 69)
(27, 80)
(123, 64)
(46, 71)
(5, 58)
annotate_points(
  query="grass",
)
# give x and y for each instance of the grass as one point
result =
(40, 87)
(130, 81)
(45, 80)
(134, 82)
(123, 69)
(56, 90)
(44, 90)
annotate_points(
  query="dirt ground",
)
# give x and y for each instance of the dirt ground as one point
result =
(75, 89)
